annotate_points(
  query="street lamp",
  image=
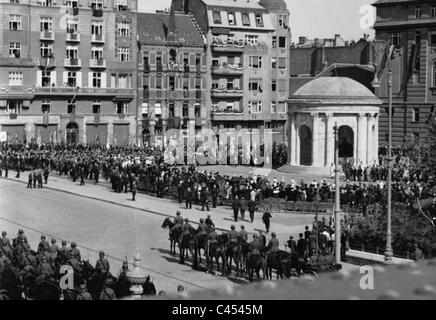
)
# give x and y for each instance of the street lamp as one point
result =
(389, 252)
(337, 200)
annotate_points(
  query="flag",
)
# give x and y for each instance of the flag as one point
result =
(414, 52)
(388, 54)
(38, 140)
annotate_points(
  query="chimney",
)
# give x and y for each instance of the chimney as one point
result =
(302, 40)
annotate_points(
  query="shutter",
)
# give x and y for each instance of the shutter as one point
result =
(164, 82)
(104, 80)
(192, 81)
(164, 58)
(152, 58)
(192, 59)
(53, 78)
(282, 63)
(79, 79)
(38, 78)
(90, 79)
(203, 60)
(64, 78)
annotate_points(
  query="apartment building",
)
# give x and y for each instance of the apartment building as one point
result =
(247, 61)
(172, 89)
(68, 70)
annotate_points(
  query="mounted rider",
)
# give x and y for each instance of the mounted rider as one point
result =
(102, 264)
(5, 245)
(233, 236)
(212, 237)
(202, 228)
(186, 228)
(74, 252)
(53, 250)
(243, 234)
(255, 247)
(43, 247)
(178, 222)
(273, 246)
(63, 252)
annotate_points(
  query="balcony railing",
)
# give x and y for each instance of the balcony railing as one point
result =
(97, 63)
(47, 35)
(99, 38)
(85, 91)
(73, 63)
(47, 62)
(233, 44)
(228, 68)
(227, 92)
(175, 67)
(73, 37)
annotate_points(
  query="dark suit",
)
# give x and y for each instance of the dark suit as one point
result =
(235, 206)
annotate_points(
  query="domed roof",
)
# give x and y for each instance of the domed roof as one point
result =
(273, 4)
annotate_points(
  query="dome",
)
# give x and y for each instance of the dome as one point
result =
(273, 4)
(335, 88)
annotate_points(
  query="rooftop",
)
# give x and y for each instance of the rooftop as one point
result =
(251, 4)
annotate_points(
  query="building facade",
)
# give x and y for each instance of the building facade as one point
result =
(247, 61)
(411, 27)
(68, 70)
(172, 90)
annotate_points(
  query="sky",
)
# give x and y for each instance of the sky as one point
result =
(311, 18)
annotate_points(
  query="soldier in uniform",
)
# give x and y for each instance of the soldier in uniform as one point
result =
(209, 222)
(43, 246)
(273, 246)
(233, 236)
(74, 252)
(39, 178)
(102, 264)
(214, 195)
(6, 246)
(212, 237)
(53, 250)
(63, 252)
(30, 180)
(204, 200)
(202, 228)
(267, 220)
(243, 234)
(254, 248)
(178, 220)
(187, 228)
(84, 293)
(107, 293)
(44, 267)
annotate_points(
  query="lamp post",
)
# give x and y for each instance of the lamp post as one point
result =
(389, 252)
(337, 200)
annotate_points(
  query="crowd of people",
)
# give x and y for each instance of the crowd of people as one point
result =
(35, 274)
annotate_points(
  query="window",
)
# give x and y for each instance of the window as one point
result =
(121, 107)
(15, 78)
(395, 39)
(232, 20)
(415, 114)
(96, 107)
(46, 24)
(418, 50)
(273, 107)
(274, 86)
(246, 19)
(124, 54)
(45, 3)
(15, 22)
(255, 106)
(96, 79)
(433, 12)
(259, 20)
(172, 83)
(433, 39)
(282, 63)
(96, 53)
(71, 106)
(46, 50)
(255, 62)
(217, 17)
(123, 81)
(185, 110)
(274, 42)
(14, 106)
(121, 5)
(15, 50)
(97, 28)
(72, 79)
(45, 106)
(282, 42)
(418, 13)
(159, 82)
(255, 85)
(252, 39)
(283, 21)
(97, 5)
(124, 29)
(72, 52)
(46, 78)
(274, 63)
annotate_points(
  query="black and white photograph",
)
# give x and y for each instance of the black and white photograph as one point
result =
(217, 150)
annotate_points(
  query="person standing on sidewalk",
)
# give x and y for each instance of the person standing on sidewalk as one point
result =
(46, 173)
(251, 209)
(235, 206)
(134, 189)
(189, 196)
(30, 180)
(267, 220)
(204, 199)
(243, 207)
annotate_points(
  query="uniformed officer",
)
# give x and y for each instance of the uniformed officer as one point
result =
(273, 244)
(233, 236)
(53, 250)
(102, 264)
(43, 246)
(21, 237)
(44, 267)
(209, 221)
(6, 246)
(84, 294)
(204, 200)
(243, 234)
(255, 246)
(178, 220)
(189, 198)
(107, 293)
(212, 236)
(202, 228)
(63, 252)
(186, 229)
(75, 252)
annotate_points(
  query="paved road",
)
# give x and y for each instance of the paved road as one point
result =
(96, 225)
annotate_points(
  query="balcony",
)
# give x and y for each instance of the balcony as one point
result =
(232, 45)
(75, 11)
(98, 13)
(227, 92)
(227, 114)
(97, 38)
(47, 62)
(47, 35)
(16, 62)
(72, 63)
(97, 63)
(228, 68)
(73, 37)
(175, 67)
(86, 92)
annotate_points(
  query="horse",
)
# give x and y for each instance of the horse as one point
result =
(44, 288)
(200, 242)
(187, 244)
(241, 258)
(280, 261)
(232, 252)
(255, 263)
(217, 251)
(173, 234)
(10, 281)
